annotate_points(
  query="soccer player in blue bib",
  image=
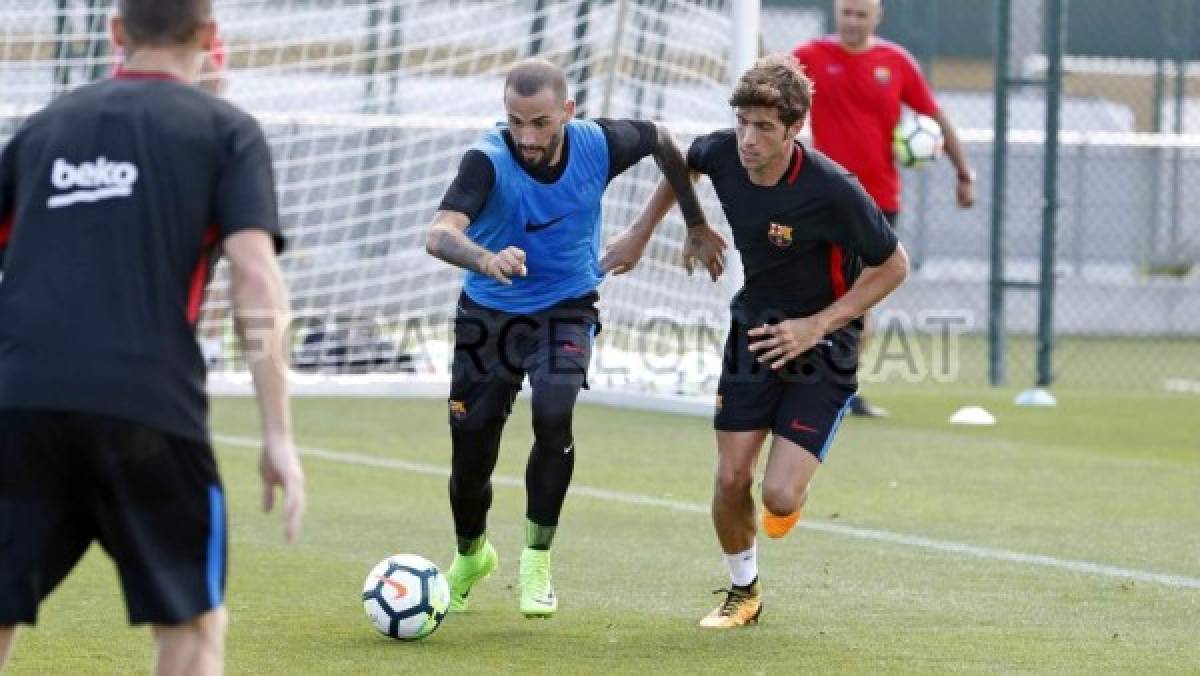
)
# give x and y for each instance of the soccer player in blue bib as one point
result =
(817, 253)
(523, 217)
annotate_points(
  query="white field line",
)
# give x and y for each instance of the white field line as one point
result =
(944, 546)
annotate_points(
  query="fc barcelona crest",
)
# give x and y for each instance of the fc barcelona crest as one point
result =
(780, 235)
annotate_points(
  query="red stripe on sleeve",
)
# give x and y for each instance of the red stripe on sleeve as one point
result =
(200, 275)
(6, 226)
(837, 275)
(797, 162)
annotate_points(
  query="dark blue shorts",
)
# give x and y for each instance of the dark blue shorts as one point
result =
(495, 350)
(151, 499)
(804, 402)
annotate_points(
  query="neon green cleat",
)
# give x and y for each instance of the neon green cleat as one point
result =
(466, 571)
(537, 594)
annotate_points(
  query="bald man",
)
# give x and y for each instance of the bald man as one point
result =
(523, 218)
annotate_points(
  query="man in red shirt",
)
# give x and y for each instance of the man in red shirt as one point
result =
(861, 81)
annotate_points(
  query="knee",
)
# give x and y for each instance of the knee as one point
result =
(203, 635)
(734, 481)
(212, 625)
(552, 424)
(782, 499)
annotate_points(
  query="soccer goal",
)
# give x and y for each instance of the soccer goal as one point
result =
(368, 106)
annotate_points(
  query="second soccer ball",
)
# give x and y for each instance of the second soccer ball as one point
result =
(916, 141)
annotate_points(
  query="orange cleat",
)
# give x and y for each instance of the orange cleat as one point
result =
(741, 607)
(778, 526)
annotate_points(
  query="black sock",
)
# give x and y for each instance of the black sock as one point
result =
(539, 537)
(473, 459)
(552, 458)
(470, 546)
(547, 477)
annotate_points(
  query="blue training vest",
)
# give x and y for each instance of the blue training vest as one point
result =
(557, 225)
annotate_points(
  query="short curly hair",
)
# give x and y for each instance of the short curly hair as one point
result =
(777, 81)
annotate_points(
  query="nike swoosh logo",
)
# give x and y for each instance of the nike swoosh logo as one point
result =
(796, 425)
(535, 227)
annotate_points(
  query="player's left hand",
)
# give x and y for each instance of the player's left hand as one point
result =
(706, 246)
(623, 253)
(777, 344)
(280, 468)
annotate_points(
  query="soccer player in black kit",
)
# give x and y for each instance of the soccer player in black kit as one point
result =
(817, 254)
(115, 201)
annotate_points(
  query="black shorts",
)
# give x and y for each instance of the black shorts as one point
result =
(494, 351)
(890, 217)
(804, 402)
(152, 500)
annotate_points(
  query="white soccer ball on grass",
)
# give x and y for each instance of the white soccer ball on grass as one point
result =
(406, 597)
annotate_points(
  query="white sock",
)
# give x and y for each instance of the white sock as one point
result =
(743, 566)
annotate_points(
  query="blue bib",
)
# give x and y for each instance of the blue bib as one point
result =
(557, 225)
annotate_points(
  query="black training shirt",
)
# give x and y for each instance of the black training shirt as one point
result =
(117, 197)
(628, 142)
(803, 241)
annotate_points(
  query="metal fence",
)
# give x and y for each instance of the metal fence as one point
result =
(1125, 308)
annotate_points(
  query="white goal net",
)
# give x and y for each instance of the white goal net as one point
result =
(369, 105)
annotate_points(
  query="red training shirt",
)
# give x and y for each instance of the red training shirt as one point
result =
(856, 105)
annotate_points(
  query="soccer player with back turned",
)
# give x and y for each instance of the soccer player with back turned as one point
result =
(523, 217)
(115, 201)
(817, 254)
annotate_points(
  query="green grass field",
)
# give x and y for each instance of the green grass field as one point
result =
(1106, 478)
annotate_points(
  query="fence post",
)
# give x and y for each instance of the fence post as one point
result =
(1079, 202)
(997, 347)
(926, 27)
(1055, 38)
(1183, 31)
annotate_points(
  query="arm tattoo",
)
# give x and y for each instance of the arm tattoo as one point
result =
(674, 168)
(454, 247)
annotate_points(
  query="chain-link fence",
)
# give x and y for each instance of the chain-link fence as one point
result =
(1126, 302)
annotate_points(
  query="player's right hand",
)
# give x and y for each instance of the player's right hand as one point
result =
(706, 246)
(280, 467)
(505, 265)
(624, 252)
